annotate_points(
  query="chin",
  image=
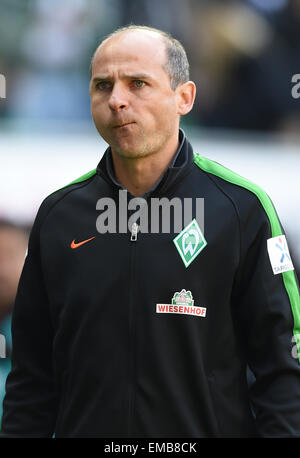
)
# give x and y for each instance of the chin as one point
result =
(130, 151)
(131, 154)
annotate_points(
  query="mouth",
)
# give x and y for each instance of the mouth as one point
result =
(125, 124)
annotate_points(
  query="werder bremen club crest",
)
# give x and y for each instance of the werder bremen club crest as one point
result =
(190, 242)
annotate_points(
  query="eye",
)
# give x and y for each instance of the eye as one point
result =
(103, 85)
(139, 83)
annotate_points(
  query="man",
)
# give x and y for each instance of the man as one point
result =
(149, 333)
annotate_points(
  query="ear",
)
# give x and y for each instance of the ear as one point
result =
(185, 96)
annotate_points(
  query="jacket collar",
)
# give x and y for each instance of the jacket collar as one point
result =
(180, 165)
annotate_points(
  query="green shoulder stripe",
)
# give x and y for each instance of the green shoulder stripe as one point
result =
(289, 278)
(84, 177)
(220, 171)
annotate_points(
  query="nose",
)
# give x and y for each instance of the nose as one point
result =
(118, 100)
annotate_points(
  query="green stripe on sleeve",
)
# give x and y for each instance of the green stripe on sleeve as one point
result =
(84, 177)
(289, 278)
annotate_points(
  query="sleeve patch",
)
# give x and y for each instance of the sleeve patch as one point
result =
(279, 254)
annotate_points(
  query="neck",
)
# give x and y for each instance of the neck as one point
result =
(140, 174)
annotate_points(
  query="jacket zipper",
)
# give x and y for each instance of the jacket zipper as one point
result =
(134, 232)
(132, 327)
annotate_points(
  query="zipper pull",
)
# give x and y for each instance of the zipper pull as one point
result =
(134, 231)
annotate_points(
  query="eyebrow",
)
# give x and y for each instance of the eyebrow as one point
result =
(136, 76)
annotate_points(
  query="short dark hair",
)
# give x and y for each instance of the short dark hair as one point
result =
(176, 65)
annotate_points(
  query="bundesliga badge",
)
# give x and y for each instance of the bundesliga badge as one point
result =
(182, 303)
(190, 242)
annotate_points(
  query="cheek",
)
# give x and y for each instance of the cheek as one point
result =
(165, 113)
(98, 115)
(95, 108)
(97, 105)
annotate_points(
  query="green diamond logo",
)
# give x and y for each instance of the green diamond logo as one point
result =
(190, 242)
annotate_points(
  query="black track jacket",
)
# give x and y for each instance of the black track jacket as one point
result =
(114, 336)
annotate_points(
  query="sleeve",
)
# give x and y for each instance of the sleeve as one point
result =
(267, 310)
(30, 403)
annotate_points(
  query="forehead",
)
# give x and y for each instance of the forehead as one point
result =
(134, 50)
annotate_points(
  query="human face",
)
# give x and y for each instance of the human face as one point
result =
(133, 105)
